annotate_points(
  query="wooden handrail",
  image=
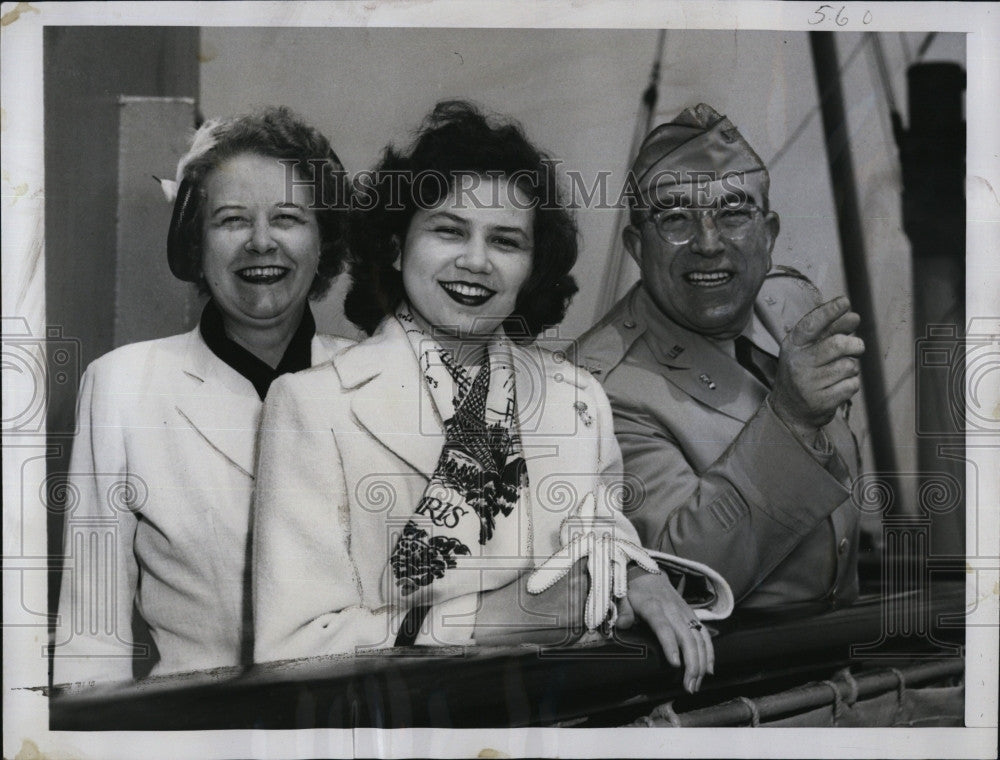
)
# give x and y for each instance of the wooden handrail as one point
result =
(484, 687)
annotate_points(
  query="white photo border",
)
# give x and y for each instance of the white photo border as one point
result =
(26, 710)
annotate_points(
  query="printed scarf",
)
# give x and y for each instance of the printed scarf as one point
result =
(478, 480)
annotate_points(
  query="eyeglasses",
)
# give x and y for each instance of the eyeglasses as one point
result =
(679, 225)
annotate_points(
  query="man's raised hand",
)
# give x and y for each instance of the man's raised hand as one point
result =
(818, 367)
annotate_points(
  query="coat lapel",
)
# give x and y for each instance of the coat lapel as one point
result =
(694, 363)
(389, 398)
(552, 414)
(703, 370)
(219, 403)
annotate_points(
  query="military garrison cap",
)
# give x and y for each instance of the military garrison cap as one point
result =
(699, 153)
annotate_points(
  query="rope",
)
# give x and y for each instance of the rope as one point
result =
(900, 690)
(902, 682)
(752, 707)
(852, 684)
(838, 701)
(666, 712)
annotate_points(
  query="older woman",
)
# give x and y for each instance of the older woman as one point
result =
(163, 460)
(439, 482)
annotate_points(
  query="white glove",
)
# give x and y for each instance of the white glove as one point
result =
(607, 563)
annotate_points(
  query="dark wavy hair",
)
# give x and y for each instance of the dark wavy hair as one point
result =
(273, 131)
(456, 139)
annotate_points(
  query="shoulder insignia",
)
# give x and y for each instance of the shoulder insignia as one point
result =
(604, 346)
(601, 350)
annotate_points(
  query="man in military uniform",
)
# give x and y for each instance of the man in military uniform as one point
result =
(730, 380)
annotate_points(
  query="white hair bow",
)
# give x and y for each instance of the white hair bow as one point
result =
(204, 140)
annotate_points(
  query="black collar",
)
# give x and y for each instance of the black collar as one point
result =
(297, 356)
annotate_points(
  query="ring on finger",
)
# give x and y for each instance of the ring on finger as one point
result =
(694, 625)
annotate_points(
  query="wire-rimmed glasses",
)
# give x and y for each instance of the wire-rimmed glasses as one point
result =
(678, 226)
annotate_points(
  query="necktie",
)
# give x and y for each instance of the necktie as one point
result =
(758, 363)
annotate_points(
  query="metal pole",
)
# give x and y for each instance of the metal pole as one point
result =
(838, 151)
(932, 160)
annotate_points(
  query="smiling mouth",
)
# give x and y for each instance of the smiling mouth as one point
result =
(467, 293)
(262, 275)
(708, 279)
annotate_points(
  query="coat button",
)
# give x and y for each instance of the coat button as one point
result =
(842, 548)
(629, 324)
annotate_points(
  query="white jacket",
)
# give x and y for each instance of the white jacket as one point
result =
(161, 482)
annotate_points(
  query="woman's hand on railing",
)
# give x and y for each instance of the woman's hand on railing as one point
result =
(653, 599)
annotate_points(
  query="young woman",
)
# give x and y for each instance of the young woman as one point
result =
(446, 481)
(163, 460)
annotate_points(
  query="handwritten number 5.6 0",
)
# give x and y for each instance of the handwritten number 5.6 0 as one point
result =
(840, 19)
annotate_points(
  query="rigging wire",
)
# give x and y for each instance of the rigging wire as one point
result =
(922, 50)
(811, 113)
(883, 72)
(616, 257)
(905, 46)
